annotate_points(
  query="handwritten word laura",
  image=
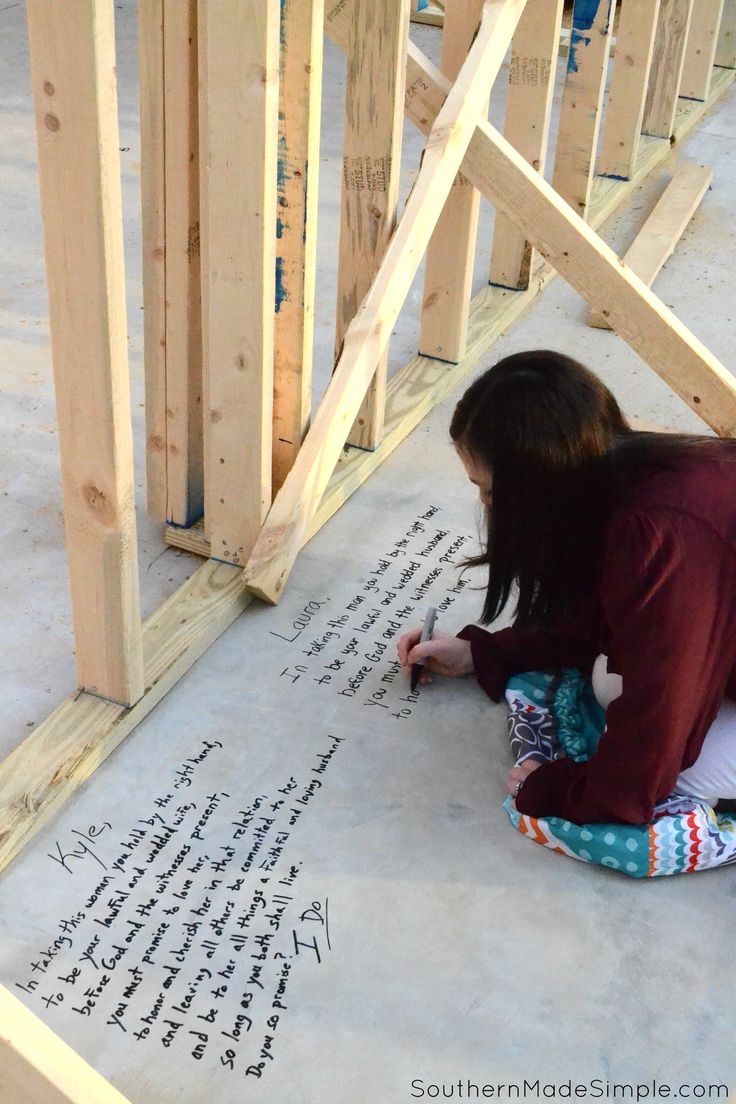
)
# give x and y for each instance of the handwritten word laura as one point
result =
(302, 622)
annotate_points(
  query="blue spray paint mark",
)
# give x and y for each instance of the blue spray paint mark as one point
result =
(615, 176)
(422, 5)
(281, 292)
(281, 165)
(575, 39)
(279, 227)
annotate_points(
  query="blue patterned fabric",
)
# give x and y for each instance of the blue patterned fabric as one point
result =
(556, 715)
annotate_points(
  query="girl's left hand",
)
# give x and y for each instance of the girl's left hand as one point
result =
(519, 775)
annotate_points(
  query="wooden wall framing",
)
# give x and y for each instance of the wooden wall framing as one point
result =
(668, 59)
(73, 61)
(526, 124)
(664, 227)
(637, 27)
(239, 105)
(582, 100)
(37, 1067)
(700, 50)
(168, 65)
(726, 47)
(448, 268)
(371, 157)
(297, 184)
(212, 237)
(450, 129)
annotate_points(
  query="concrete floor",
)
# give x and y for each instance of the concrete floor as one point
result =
(458, 949)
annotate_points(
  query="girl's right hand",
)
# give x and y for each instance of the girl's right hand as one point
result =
(444, 654)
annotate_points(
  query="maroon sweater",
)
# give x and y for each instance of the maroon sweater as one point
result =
(665, 616)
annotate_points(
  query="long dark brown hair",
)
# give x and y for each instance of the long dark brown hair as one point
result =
(555, 442)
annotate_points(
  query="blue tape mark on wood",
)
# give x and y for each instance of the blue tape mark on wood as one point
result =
(583, 18)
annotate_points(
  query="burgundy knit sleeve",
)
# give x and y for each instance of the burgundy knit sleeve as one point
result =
(499, 655)
(671, 641)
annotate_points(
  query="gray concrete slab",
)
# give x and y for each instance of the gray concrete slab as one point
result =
(456, 948)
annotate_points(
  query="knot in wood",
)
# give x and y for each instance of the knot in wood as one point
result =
(99, 503)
